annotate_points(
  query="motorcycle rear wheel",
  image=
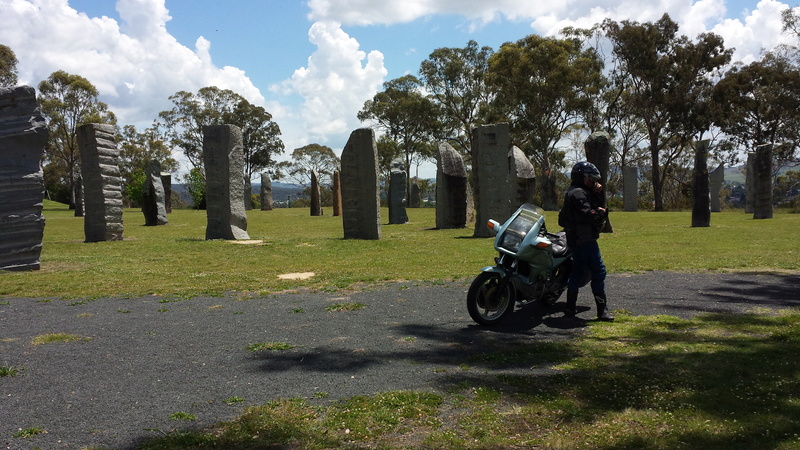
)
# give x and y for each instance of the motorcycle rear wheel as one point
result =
(485, 304)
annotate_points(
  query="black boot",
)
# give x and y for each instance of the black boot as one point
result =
(572, 301)
(602, 308)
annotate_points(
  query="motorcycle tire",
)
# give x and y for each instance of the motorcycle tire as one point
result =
(483, 305)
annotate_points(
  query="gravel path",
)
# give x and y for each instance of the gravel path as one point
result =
(145, 359)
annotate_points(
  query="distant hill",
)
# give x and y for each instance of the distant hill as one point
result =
(280, 191)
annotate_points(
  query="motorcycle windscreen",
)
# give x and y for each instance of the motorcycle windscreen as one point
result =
(516, 231)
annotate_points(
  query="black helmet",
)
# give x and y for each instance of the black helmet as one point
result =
(584, 168)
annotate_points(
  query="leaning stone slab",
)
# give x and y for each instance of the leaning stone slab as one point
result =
(337, 193)
(266, 192)
(715, 179)
(166, 182)
(451, 189)
(154, 205)
(630, 188)
(316, 204)
(397, 193)
(23, 136)
(223, 158)
(102, 183)
(361, 213)
(493, 169)
(525, 177)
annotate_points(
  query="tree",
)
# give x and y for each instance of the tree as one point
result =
(662, 78)
(763, 98)
(260, 137)
(316, 157)
(542, 87)
(455, 79)
(8, 66)
(136, 150)
(407, 116)
(68, 101)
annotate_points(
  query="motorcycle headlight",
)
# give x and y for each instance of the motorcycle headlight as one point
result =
(511, 242)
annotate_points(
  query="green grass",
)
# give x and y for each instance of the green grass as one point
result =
(175, 261)
(52, 338)
(269, 346)
(656, 382)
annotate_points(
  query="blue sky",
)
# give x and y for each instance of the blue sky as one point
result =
(312, 64)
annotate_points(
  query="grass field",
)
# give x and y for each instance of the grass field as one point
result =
(176, 260)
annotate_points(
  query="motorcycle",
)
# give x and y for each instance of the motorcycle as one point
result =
(534, 265)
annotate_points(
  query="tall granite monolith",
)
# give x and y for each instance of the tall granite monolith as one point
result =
(750, 183)
(493, 173)
(266, 192)
(166, 183)
(701, 198)
(630, 188)
(361, 212)
(102, 182)
(414, 195)
(23, 136)
(316, 205)
(715, 179)
(525, 180)
(762, 189)
(248, 193)
(337, 193)
(397, 193)
(223, 158)
(153, 198)
(79, 205)
(451, 189)
(598, 152)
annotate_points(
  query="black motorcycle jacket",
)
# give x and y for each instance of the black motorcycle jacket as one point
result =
(580, 216)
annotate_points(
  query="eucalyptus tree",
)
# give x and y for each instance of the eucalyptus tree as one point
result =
(407, 116)
(543, 86)
(664, 81)
(261, 140)
(455, 78)
(136, 150)
(8, 66)
(68, 101)
(304, 160)
(763, 100)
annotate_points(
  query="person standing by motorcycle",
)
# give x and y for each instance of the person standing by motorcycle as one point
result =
(582, 217)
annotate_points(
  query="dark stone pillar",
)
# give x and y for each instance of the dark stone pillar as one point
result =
(361, 213)
(397, 193)
(316, 207)
(451, 189)
(715, 180)
(598, 152)
(266, 192)
(153, 201)
(492, 169)
(102, 183)
(701, 204)
(337, 194)
(166, 183)
(762, 169)
(630, 188)
(224, 163)
(525, 178)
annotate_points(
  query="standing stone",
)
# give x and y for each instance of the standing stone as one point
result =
(715, 180)
(598, 152)
(630, 188)
(266, 192)
(166, 183)
(749, 184)
(361, 201)
(493, 171)
(316, 206)
(762, 169)
(451, 189)
(79, 205)
(701, 199)
(248, 193)
(337, 194)
(23, 136)
(153, 198)
(415, 196)
(397, 193)
(102, 183)
(224, 162)
(525, 179)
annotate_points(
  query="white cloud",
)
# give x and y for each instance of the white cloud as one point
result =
(136, 64)
(338, 80)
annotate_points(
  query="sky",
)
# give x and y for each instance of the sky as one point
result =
(312, 64)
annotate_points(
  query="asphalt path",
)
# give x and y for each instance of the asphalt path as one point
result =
(142, 360)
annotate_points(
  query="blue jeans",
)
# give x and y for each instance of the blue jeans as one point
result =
(587, 257)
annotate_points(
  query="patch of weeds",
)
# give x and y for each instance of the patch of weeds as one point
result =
(297, 311)
(234, 400)
(409, 339)
(9, 371)
(29, 432)
(321, 395)
(77, 303)
(123, 311)
(216, 307)
(350, 306)
(52, 338)
(180, 415)
(238, 312)
(85, 315)
(6, 303)
(45, 300)
(269, 346)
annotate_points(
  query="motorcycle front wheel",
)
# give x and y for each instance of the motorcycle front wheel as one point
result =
(485, 303)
